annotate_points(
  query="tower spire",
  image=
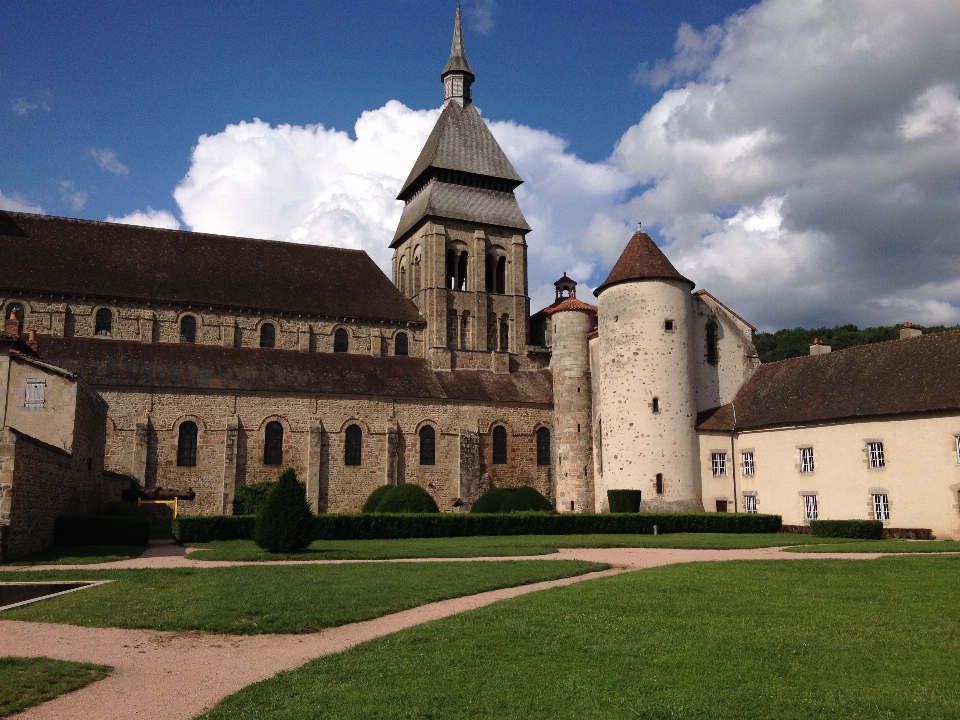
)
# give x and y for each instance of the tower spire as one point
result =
(457, 75)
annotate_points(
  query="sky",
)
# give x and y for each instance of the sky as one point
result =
(799, 159)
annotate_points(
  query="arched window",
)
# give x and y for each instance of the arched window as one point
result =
(711, 344)
(401, 344)
(187, 444)
(351, 445)
(403, 281)
(499, 445)
(340, 341)
(416, 275)
(462, 272)
(501, 275)
(428, 445)
(451, 269)
(103, 325)
(268, 335)
(273, 443)
(188, 329)
(543, 446)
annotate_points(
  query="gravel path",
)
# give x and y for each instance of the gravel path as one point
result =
(174, 675)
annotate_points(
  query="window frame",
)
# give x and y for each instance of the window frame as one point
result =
(98, 325)
(875, 455)
(718, 464)
(810, 508)
(500, 454)
(881, 507)
(35, 393)
(341, 340)
(427, 437)
(544, 447)
(749, 463)
(187, 445)
(401, 348)
(265, 341)
(807, 464)
(191, 337)
(353, 445)
(273, 446)
(750, 504)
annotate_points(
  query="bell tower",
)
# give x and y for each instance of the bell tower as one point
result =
(460, 248)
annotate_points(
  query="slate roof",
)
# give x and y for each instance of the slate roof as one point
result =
(106, 363)
(461, 202)
(641, 259)
(87, 258)
(458, 56)
(461, 141)
(890, 378)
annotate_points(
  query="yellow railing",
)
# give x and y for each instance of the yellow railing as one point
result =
(141, 501)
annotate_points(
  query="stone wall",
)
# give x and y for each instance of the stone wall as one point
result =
(143, 432)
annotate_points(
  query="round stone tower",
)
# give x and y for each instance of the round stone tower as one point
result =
(647, 405)
(571, 321)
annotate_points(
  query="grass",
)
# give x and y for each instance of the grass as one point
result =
(731, 640)
(278, 599)
(81, 554)
(885, 546)
(498, 546)
(25, 682)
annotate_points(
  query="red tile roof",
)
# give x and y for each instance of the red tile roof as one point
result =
(126, 364)
(71, 257)
(641, 259)
(568, 304)
(890, 378)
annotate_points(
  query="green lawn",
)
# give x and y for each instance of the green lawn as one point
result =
(278, 599)
(738, 640)
(886, 546)
(499, 546)
(81, 554)
(25, 682)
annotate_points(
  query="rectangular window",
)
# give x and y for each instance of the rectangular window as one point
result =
(806, 460)
(810, 507)
(719, 464)
(957, 442)
(876, 454)
(750, 503)
(881, 508)
(721, 506)
(35, 394)
(748, 463)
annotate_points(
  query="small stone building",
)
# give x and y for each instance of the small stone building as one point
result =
(52, 432)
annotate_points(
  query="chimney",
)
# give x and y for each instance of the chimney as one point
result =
(907, 330)
(32, 340)
(12, 324)
(818, 348)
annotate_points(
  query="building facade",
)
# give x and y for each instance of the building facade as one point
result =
(223, 360)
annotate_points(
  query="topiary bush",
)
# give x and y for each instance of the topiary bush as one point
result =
(491, 501)
(406, 498)
(375, 497)
(285, 523)
(860, 529)
(526, 499)
(624, 501)
(248, 499)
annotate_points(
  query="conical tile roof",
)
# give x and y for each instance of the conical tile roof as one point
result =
(641, 259)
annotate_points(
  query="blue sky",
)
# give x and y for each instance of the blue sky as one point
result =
(754, 141)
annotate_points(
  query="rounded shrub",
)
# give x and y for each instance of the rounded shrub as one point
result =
(375, 497)
(526, 499)
(491, 501)
(624, 501)
(407, 498)
(284, 523)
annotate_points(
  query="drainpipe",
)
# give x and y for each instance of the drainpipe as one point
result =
(733, 456)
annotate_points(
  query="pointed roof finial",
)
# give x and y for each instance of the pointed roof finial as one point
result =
(458, 56)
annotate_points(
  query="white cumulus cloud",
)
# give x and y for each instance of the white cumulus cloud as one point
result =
(17, 203)
(808, 171)
(73, 196)
(109, 161)
(148, 218)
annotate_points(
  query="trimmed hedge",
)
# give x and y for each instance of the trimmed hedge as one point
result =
(285, 523)
(204, 528)
(101, 530)
(624, 501)
(861, 529)
(375, 497)
(248, 499)
(389, 526)
(407, 498)
(526, 499)
(491, 501)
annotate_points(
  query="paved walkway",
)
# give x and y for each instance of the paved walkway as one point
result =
(177, 675)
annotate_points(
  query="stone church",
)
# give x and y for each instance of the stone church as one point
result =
(222, 360)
